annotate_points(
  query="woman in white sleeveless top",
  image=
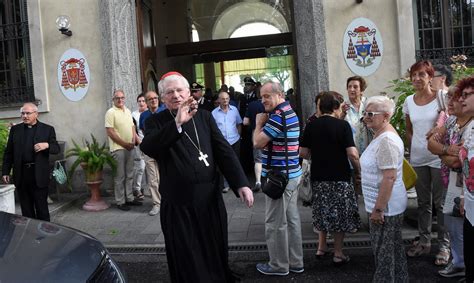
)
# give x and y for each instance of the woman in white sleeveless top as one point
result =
(384, 193)
(421, 113)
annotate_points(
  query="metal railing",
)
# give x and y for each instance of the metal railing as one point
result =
(443, 55)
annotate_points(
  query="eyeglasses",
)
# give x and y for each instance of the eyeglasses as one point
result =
(119, 98)
(465, 95)
(152, 98)
(27, 113)
(372, 114)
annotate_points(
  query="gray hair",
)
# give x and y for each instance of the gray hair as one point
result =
(382, 104)
(32, 105)
(116, 91)
(275, 87)
(161, 83)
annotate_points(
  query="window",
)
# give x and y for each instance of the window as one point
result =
(16, 79)
(444, 28)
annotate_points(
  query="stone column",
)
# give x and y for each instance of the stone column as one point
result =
(310, 42)
(120, 49)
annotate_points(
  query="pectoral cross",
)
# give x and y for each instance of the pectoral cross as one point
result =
(203, 158)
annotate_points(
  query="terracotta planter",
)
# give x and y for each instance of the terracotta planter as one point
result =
(92, 177)
(94, 180)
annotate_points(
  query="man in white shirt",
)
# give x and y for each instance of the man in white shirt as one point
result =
(229, 123)
(139, 163)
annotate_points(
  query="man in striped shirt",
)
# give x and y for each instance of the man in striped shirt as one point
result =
(282, 219)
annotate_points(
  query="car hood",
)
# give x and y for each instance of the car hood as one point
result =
(39, 251)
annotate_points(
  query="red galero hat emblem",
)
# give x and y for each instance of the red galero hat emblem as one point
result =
(73, 74)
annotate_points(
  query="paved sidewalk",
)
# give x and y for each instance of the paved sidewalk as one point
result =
(135, 228)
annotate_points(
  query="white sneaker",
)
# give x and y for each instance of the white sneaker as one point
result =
(225, 190)
(154, 211)
(411, 193)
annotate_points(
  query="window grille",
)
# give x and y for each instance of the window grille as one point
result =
(16, 78)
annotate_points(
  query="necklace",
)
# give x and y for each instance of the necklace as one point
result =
(202, 157)
(380, 131)
(464, 124)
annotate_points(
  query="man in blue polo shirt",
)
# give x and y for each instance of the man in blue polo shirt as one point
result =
(282, 218)
(229, 123)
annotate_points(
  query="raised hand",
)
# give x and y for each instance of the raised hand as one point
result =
(186, 111)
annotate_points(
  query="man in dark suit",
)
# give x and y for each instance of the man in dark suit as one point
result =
(203, 103)
(246, 146)
(27, 152)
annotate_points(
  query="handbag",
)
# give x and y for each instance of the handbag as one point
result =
(409, 175)
(276, 180)
(305, 191)
(442, 115)
(457, 207)
(59, 173)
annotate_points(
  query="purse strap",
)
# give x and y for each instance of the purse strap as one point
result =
(269, 157)
(440, 101)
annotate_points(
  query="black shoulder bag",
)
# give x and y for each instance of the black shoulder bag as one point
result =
(276, 179)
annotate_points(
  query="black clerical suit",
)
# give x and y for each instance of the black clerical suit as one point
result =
(193, 215)
(31, 171)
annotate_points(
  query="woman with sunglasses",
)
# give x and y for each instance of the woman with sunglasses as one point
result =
(465, 90)
(421, 112)
(444, 143)
(384, 193)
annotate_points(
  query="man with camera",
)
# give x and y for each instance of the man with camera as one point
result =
(276, 133)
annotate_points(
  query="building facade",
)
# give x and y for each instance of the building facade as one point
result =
(129, 44)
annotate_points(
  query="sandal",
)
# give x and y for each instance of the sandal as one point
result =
(418, 250)
(442, 258)
(341, 260)
(322, 254)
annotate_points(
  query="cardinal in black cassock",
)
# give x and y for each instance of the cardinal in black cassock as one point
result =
(189, 147)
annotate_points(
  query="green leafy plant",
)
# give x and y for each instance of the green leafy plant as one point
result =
(92, 157)
(403, 87)
(3, 139)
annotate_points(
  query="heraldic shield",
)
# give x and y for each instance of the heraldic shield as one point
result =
(73, 75)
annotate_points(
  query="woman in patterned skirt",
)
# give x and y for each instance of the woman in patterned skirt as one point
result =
(384, 193)
(329, 142)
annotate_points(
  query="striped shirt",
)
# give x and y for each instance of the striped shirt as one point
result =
(274, 129)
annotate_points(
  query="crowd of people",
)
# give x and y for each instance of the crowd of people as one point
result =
(189, 148)
(361, 149)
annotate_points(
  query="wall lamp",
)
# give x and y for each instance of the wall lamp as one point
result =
(63, 23)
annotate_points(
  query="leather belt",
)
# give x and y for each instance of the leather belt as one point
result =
(28, 165)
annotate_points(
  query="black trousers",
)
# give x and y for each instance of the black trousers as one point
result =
(469, 250)
(236, 148)
(33, 200)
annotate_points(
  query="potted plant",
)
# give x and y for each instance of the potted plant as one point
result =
(92, 158)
